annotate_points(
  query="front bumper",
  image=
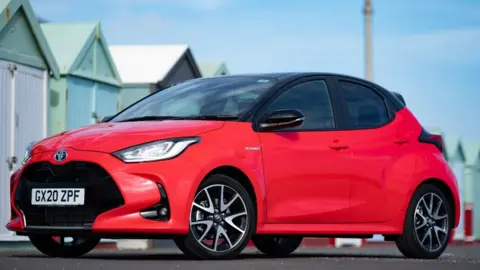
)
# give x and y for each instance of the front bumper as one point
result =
(142, 189)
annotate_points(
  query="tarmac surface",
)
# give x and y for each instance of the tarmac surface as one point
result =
(371, 258)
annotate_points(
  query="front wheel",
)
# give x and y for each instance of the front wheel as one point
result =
(222, 219)
(277, 245)
(63, 246)
(180, 243)
(427, 225)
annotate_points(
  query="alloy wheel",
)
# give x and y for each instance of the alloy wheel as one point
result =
(218, 218)
(431, 222)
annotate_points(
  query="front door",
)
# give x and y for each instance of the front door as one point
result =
(303, 170)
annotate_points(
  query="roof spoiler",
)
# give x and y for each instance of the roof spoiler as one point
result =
(400, 97)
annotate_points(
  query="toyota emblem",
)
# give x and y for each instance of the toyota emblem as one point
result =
(60, 155)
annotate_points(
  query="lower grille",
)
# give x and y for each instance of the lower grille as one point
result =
(101, 193)
(64, 216)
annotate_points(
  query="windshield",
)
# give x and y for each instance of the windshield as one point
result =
(220, 96)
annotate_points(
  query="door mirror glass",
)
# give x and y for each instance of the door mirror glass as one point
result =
(282, 119)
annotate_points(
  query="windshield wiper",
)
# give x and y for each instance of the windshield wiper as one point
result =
(199, 117)
(152, 118)
(214, 117)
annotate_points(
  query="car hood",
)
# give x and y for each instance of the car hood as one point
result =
(110, 137)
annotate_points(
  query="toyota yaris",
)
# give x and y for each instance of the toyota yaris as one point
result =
(213, 163)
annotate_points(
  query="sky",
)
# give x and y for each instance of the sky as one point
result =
(428, 50)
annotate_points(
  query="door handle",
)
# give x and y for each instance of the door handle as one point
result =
(338, 146)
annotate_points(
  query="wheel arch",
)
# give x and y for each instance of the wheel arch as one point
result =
(408, 242)
(433, 169)
(446, 190)
(242, 177)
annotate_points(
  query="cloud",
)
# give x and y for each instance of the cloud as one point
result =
(430, 68)
(452, 46)
(205, 4)
(195, 4)
(52, 8)
(260, 43)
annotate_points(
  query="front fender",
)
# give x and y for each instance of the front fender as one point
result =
(218, 149)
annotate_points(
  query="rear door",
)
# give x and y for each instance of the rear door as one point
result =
(371, 133)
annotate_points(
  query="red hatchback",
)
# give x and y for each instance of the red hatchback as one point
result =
(215, 162)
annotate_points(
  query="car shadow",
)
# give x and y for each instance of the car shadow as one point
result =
(182, 257)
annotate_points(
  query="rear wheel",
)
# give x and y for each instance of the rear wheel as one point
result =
(63, 246)
(277, 245)
(222, 219)
(427, 225)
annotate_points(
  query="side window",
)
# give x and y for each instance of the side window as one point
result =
(365, 107)
(312, 99)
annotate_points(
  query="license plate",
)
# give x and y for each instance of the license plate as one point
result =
(58, 196)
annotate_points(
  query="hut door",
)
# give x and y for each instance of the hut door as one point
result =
(106, 100)
(79, 102)
(6, 143)
(22, 120)
(458, 170)
(30, 118)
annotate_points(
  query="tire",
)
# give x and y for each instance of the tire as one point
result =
(48, 246)
(180, 243)
(410, 242)
(278, 246)
(240, 210)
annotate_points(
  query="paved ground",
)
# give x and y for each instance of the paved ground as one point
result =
(383, 257)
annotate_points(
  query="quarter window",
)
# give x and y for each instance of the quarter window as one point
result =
(313, 100)
(365, 107)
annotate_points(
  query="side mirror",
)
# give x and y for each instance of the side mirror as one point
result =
(106, 119)
(282, 119)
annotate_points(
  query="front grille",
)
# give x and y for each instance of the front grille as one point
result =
(101, 193)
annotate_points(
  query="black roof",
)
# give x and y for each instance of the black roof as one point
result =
(255, 75)
(278, 75)
(398, 99)
(294, 75)
(281, 75)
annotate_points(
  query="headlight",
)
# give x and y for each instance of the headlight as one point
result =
(28, 151)
(154, 151)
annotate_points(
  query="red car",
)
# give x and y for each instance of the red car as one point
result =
(216, 162)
